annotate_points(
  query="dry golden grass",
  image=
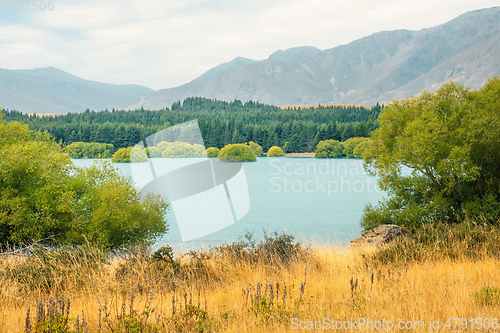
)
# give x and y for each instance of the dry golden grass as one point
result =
(216, 294)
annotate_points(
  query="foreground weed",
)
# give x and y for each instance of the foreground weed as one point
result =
(487, 296)
(52, 316)
(128, 319)
(271, 301)
(192, 319)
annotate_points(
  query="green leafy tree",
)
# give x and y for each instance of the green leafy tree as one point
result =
(350, 145)
(212, 152)
(220, 123)
(362, 148)
(153, 152)
(237, 153)
(329, 149)
(42, 196)
(122, 155)
(437, 157)
(110, 212)
(98, 150)
(35, 200)
(275, 151)
(138, 154)
(75, 150)
(256, 148)
(89, 150)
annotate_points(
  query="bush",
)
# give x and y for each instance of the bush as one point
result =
(351, 144)
(275, 151)
(179, 149)
(212, 152)
(362, 149)
(122, 155)
(153, 152)
(237, 153)
(329, 149)
(89, 150)
(256, 148)
(138, 154)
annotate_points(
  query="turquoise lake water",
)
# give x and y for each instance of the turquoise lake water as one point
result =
(316, 200)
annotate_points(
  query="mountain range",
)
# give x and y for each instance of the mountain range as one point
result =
(379, 68)
(53, 91)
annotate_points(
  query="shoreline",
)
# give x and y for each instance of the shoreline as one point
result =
(309, 155)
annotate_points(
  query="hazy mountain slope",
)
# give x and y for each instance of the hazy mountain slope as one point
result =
(50, 90)
(377, 68)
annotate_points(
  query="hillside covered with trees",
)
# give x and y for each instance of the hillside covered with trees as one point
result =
(221, 123)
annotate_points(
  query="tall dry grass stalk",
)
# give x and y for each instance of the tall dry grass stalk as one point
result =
(236, 291)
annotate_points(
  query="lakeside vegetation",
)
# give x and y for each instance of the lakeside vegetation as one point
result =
(43, 196)
(437, 157)
(82, 259)
(351, 148)
(237, 153)
(221, 123)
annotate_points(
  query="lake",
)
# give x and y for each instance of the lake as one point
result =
(316, 200)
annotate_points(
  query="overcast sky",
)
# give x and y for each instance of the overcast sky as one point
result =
(166, 43)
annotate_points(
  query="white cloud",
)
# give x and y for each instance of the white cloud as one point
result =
(165, 43)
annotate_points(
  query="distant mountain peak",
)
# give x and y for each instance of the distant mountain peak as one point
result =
(295, 53)
(51, 90)
(236, 62)
(381, 67)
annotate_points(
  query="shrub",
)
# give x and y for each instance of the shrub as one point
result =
(275, 151)
(351, 144)
(362, 149)
(122, 155)
(138, 154)
(256, 148)
(179, 149)
(212, 152)
(35, 196)
(153, 152)
(237, 153)
(329, 149)
(276, 249)
(89, 150)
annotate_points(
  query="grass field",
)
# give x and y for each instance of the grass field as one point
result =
(272, 286)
